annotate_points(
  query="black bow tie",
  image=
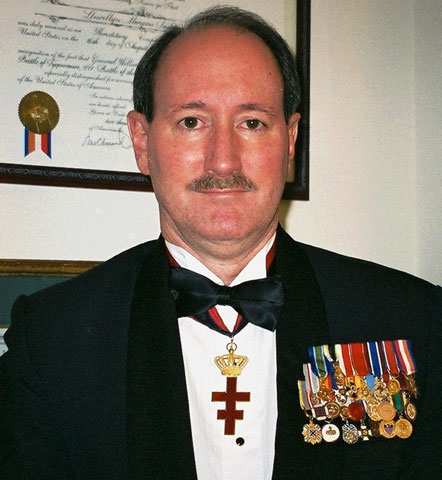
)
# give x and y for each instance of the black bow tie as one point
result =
(257, 301)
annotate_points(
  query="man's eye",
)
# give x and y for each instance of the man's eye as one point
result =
(253, 123)
(190, 122)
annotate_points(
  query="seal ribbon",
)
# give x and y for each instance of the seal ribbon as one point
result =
(39, 114)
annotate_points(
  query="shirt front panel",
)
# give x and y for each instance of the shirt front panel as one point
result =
(249, 453)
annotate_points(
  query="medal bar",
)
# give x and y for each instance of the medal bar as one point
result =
(364, 392)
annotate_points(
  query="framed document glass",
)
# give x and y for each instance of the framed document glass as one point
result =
(67, 83)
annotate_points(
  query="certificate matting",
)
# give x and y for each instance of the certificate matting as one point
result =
(84, 55)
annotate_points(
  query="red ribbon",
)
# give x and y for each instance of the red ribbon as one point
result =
(359, 356)
(346, 358)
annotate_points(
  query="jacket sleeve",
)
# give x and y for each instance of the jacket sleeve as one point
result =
(32, 437)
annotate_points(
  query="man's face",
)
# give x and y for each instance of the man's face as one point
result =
(218, 147)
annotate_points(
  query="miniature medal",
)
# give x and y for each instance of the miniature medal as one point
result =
(372, 410)
(356, 411)
(393, 386)
(344, 412)
(387, 428)
(330, 433)
(374, 428)
(386, 411)
(349, 433)
(403, 428)
(370, 383)
(332, 409)
(364, 432)
(410, 411)
(312, 433)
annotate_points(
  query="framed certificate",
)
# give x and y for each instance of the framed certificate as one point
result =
(68, 85)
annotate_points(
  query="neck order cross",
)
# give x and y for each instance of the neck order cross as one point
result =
(230, 414)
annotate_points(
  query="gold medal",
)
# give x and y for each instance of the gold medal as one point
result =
(332, 409)
(386, 411)
(344, 412)
(380, 390)
(403, 428)
(393, 386)
(372, 410)
(312, 433)
(366, 394)
(410, 411)
(38, 112)
(387, 428)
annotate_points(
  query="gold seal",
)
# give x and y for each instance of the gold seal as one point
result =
(38, 112)
(386, 411)
(403, 428)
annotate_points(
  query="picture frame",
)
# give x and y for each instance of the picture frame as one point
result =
(44, 268)
(298, 189)
(24, 277)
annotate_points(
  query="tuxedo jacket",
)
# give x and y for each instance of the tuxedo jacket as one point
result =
(93, 386)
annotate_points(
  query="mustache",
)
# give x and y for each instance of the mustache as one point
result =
(214, 182)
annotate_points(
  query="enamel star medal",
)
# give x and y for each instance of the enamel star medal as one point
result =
(231, 365)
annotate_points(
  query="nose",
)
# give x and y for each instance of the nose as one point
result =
(223, 154)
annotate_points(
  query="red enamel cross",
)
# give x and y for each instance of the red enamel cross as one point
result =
(230, 396)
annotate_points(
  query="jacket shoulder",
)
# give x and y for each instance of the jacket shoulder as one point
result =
(81, 310)
(332, 264)
(359, 295)
(104, 277)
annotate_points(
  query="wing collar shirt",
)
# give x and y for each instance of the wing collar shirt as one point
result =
(249, 453)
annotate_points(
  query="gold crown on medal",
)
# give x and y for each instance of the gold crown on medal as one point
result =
(230, 364)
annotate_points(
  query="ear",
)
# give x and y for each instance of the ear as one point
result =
(292, 130)
(138, 128)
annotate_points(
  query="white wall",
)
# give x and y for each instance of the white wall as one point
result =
(362, 142)
(428, 80)
(375, 168)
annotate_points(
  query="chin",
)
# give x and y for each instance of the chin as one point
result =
(226, 231)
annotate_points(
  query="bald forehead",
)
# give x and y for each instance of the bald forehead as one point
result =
(218, 44)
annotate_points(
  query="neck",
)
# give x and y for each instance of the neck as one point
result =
(225, 258)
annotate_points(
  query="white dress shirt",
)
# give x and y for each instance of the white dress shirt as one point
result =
(249, 453)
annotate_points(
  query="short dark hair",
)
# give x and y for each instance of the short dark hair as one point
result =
(230, 16)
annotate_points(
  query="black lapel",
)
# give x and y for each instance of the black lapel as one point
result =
(158, 423)
(303, 323)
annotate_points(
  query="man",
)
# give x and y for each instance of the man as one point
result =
(112, 374)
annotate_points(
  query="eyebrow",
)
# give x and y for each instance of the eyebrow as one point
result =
(257, 107)
(187, 106)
